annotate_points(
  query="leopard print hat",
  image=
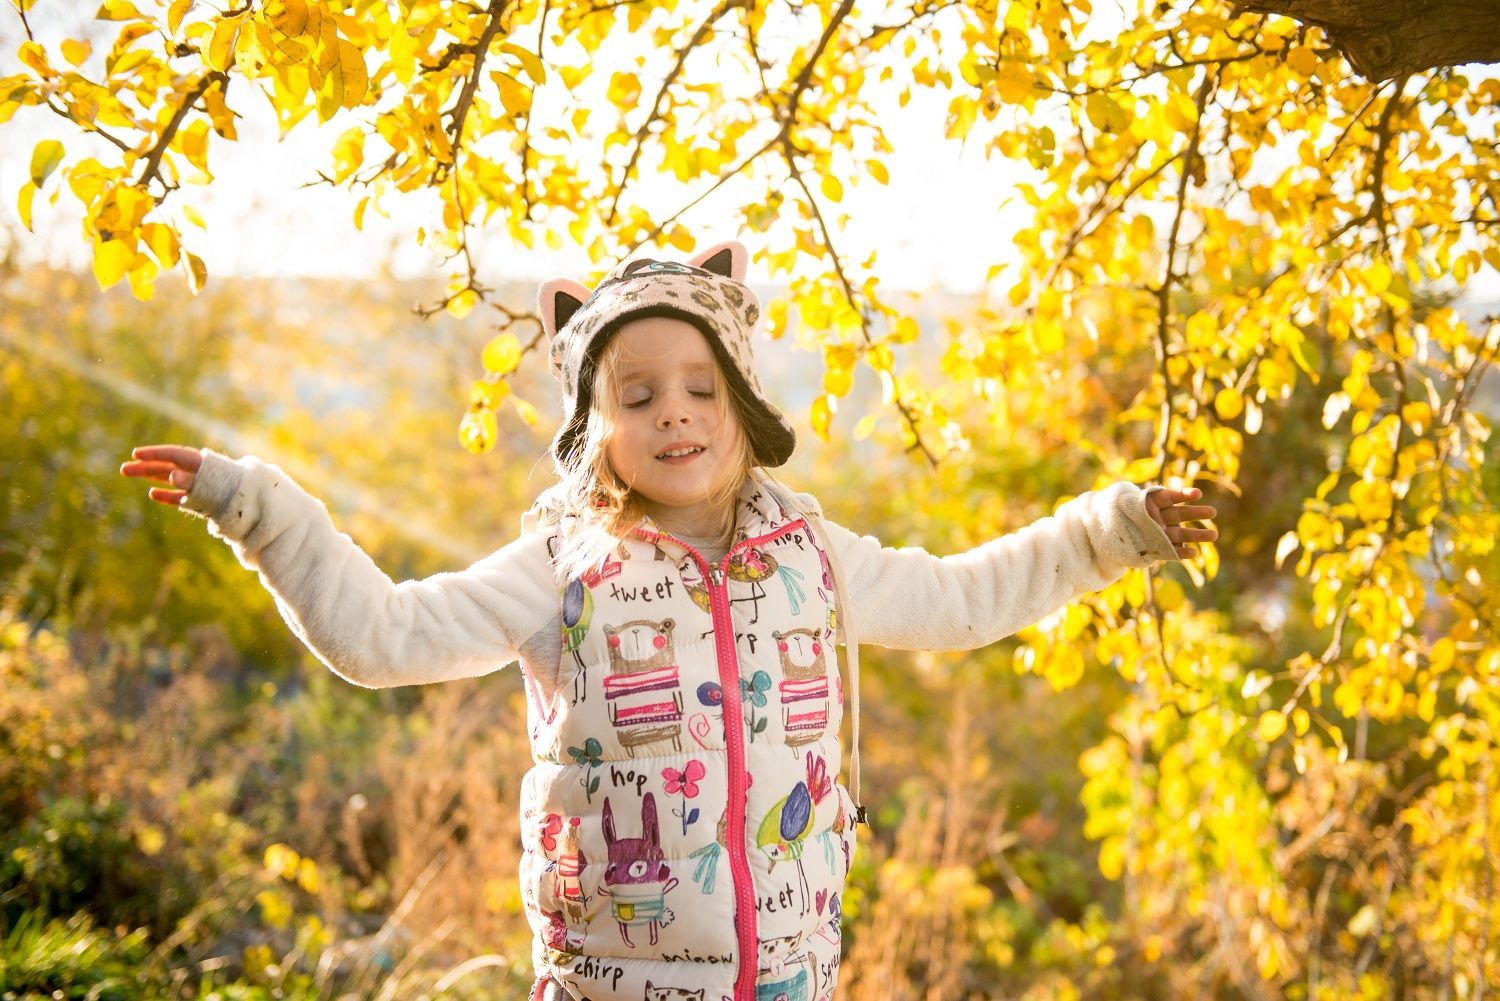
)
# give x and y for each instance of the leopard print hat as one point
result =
(709, 292)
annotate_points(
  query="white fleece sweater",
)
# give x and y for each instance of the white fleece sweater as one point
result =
(377, 633)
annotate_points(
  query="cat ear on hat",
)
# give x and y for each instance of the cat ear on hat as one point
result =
(556, 301)
(729, 259)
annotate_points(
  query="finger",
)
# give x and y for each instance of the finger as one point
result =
(147, 470)
(1167, 497)
(171, 498)
(1198, 534)
(1186, 552)
(1177, 515)
(188, 458)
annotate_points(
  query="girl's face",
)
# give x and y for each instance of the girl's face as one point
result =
(669, 442)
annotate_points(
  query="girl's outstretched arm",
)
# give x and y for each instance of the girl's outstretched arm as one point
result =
(366, 628)
(910, 599)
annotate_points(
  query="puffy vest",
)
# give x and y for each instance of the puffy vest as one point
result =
(685, 835)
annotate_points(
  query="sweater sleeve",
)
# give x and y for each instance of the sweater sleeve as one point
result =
(911, 599)
(367, 629)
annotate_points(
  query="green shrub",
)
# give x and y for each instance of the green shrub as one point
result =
(70, 958)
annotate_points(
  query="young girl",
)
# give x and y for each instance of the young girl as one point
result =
(675, 612)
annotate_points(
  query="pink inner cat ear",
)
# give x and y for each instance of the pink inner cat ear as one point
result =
(729, 259)
(556, 302)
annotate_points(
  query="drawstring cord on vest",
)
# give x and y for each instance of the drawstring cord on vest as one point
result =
(850, 643)
(846, 639)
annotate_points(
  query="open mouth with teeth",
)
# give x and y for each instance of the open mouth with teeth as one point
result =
(680, 453)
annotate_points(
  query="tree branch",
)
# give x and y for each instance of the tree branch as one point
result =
(682, 56)
(481, 48)
(151, 172)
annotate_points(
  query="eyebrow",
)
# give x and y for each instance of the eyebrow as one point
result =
(636, 373)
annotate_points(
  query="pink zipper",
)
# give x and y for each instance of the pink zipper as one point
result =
(734, 738)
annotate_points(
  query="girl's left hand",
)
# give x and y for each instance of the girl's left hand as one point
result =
(1167, 509)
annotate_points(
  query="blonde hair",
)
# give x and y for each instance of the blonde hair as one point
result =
(606, 509)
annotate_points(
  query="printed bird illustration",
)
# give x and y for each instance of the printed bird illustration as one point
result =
(752, 566)
(787, 825)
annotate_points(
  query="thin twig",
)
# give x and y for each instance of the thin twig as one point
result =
(1170, 276)
(656, 109)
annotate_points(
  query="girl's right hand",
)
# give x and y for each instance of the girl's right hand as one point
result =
(174, 464)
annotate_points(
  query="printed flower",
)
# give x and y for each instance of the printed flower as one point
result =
(710, 694)
(754, 691)
(686, 780)
(756, 688)
(551, 827)
(685, 783)
(590, 754)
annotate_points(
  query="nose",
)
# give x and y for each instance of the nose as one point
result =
(674, 411)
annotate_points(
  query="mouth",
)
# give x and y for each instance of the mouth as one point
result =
(680, 453)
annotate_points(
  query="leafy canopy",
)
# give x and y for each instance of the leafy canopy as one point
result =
(1225, 219)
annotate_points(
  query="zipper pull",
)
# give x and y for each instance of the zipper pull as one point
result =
(716, 575)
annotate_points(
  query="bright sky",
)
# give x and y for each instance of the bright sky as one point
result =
(946, 216)
(938, 222)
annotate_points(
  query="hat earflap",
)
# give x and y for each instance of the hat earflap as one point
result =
(729, 259)
(556, 302)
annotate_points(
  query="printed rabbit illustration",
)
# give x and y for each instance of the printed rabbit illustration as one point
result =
(637, 879)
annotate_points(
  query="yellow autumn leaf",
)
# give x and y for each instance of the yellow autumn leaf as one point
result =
(116, 10)
(838, 382)
(1418, 415)
(219, 113)
(820, 414)
(833, 190)
(528, 413)
(1302, 59)
(961, 112)
(462, 304)
(488, 394)
(355, 75)
(403, 54)
(221, 46)
(197, 272)
(877, 170)
(530, 64)
(76, 51)
(163, 243)
(175, 13)
(23, 203)
(307, 875)
(289, 17)
(44, 160)
(478, 431)
(1014, 82)
(502, 354)
(112, 258)
(624, 90)
(34, 56)
(514, 95)
(1228, 403)
(1271, 726)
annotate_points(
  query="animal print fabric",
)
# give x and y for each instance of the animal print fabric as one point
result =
(626, 873)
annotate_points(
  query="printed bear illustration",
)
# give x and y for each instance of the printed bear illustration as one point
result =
(643, 690)
(804, 686)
